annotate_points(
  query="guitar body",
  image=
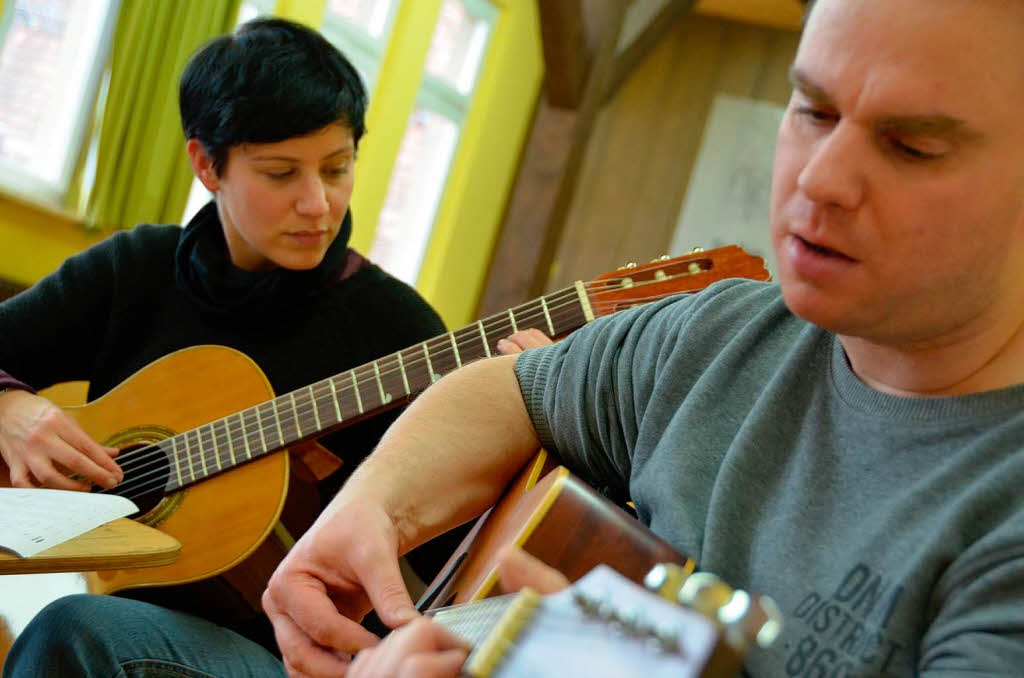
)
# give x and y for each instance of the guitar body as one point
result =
(220, 520)
(557, 518)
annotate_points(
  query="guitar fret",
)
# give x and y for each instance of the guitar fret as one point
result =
(316, 413)
(202, 455)
(584, 299)
(277, 421)
(433, 376)
(483, 337)
(177, 462)
(405, 377)
(231, 440)
(334, 398)
(547, 316)
(512, 319)
(245, 437)
(259, 426)
(216, 448)
(188, 457)
(384, 397)
(295, 413)
(355, 387)
(455, 349)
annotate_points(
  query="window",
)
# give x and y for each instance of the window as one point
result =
(421, 168)
(360, 29)
(51, 56)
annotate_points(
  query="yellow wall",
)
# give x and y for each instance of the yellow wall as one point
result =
(33, 241)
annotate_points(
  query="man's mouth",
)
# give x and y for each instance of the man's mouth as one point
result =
(822, 250)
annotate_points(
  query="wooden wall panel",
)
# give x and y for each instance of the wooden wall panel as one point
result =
(645, 142)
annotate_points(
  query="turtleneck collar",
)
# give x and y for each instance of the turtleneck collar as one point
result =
(204, 271)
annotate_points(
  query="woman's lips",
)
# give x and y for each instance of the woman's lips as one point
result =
(308, 238)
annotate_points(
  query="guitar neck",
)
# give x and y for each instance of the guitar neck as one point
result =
(364, 391)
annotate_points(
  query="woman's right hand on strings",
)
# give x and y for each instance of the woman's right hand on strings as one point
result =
(42, 446)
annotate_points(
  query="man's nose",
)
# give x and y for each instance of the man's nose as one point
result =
(833, 174)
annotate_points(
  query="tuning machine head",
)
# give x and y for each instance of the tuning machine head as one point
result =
(666, 579)
(744, 618)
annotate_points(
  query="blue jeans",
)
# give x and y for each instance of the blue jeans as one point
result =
(110, 637)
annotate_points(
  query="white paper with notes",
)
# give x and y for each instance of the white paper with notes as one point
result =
(33, 520)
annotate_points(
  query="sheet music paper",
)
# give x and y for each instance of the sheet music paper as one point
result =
(33, 520)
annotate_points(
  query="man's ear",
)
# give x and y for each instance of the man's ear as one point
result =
(202, 165)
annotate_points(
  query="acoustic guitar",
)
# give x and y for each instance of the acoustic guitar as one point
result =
(202, 437)
(605, 625)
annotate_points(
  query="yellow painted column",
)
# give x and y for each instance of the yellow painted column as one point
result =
(308, 12)
(484, 168)
(394, 99)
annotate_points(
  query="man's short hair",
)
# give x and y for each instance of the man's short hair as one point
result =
(271, 80)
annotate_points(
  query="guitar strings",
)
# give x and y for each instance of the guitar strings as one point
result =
(158, 452)
(155, 454)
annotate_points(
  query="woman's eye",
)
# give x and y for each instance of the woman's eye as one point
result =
(279, 175)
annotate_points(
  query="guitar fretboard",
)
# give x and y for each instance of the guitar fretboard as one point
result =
(353, 395)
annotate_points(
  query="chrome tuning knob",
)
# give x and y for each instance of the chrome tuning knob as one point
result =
(705, 593)
(750, 619)
(666, 579)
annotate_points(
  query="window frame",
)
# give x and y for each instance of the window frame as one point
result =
(438, 96)
(29, 187)
(364, 51)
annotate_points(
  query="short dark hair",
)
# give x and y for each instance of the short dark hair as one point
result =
(271, 80)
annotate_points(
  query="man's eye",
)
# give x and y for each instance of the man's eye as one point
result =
(911, 151)
(337, 171)
(816, 115)
(280, 174)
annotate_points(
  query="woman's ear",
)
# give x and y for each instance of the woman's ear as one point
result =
(202, 165)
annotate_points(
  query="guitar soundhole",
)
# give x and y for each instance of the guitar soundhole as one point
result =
(145, 475)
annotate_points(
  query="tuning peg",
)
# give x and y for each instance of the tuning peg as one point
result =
(629, 264)
(705, 593)
(750, 620)
(663, 257)
(666, 579)
(697, 250)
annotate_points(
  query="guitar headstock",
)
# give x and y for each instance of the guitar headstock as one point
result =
(633, 285)
(606, 625)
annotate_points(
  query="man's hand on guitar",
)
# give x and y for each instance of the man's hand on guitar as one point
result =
(346, 563)
(420, 649)
(42, 446)
(425, 648)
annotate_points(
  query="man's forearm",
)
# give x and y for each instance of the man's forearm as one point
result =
(450, 454)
